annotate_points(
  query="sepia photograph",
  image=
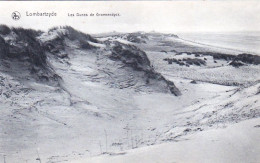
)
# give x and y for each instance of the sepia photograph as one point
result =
(130, 82)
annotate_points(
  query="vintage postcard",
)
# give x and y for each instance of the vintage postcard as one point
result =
(129, 81)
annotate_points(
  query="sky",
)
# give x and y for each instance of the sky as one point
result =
(164, 16)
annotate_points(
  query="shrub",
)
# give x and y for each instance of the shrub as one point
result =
(3, 47)
(4, 30)
(33, 48)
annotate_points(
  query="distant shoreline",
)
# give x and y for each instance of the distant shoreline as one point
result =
(236, 42)
(218, 47)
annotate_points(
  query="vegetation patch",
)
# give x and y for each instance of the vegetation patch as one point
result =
(244, 58)
(186, 61)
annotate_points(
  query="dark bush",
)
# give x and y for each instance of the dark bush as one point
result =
(3, 47)
(186, 61)
(248, 58)
(226, 57)
(236, 63)
(244, 58)
(4, 30)
(130, 55)
(195, 61)
(193, 82)
(28, 46)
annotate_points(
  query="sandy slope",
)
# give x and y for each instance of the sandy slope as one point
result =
(236, 143)
(104, 107)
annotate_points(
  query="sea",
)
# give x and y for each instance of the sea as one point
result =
(248, 42)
